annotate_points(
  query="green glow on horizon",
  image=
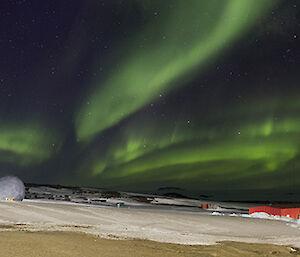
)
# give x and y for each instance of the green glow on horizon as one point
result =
(272, 152)
(269, 140)
(241, 150)
(25, 144)
(180, 45)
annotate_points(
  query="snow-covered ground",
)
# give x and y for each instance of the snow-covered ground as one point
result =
(171, 226)
(259, 215)
(158, 218)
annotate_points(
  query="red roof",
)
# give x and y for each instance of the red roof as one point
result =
(288, 210)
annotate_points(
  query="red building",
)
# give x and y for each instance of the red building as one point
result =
(287, 210)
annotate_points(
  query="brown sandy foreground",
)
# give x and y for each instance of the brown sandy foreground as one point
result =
(64, 244)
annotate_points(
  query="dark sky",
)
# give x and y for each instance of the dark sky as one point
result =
(137, 95)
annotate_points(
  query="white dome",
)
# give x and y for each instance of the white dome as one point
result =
(11, 187)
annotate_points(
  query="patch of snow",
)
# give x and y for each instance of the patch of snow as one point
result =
(263, 215)
(215, 213)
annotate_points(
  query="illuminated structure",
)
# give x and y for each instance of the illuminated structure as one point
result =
(11, 189)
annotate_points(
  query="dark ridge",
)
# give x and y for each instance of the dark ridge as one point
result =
(142, 199)
(59, 186)
(110, 194)
(52, 186)
(176, 195)
(205, 196)
(170, 188)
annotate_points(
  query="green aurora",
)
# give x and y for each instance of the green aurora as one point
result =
(192, 97)
(243, 150)
(26, 144)
(190, 152)
(177, 46)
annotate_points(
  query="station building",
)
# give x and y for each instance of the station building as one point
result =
(287, 210)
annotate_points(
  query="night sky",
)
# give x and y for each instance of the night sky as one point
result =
(137, 94)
